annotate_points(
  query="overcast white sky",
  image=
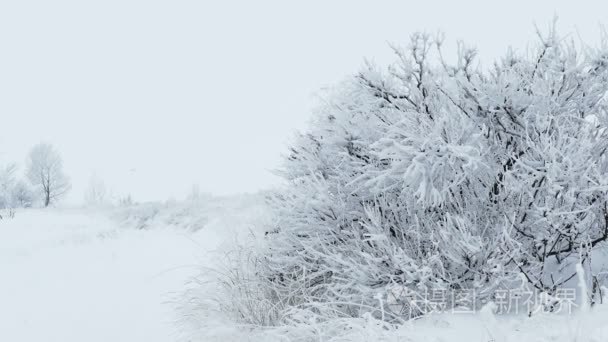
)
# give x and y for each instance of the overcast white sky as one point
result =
(154, 96)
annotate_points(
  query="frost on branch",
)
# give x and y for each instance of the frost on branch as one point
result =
(430, 175)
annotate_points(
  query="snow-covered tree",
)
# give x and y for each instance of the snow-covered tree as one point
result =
(126, 201)
(437, 176)
(7, 182)
(22, 195)
(96, 191)
(45, 171)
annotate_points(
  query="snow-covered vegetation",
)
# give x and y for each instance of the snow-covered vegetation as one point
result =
(45, 172)
(435, 186)
(435, 199)
(100, 275)
(43, 182)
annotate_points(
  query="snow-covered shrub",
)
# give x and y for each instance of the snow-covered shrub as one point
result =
(437, 176)
(14, 192)
(241, 294)
(190, 214)
(22, 195)
(149, 215)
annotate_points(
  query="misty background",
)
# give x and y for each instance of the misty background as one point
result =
(155, 96)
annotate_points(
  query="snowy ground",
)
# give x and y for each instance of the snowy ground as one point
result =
(105, 275)
(71, 276)
(83, 275)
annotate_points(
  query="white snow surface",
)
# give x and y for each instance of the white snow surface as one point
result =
(93, 275)
(84, 275)
(73, 276)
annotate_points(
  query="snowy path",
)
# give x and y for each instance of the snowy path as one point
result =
(68, 276)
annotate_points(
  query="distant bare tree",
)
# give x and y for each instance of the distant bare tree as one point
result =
(126, 201)
(45, 171)
(96, 191)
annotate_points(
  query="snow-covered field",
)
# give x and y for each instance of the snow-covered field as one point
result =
(119, 275)
(85, 275)
(72, 276)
